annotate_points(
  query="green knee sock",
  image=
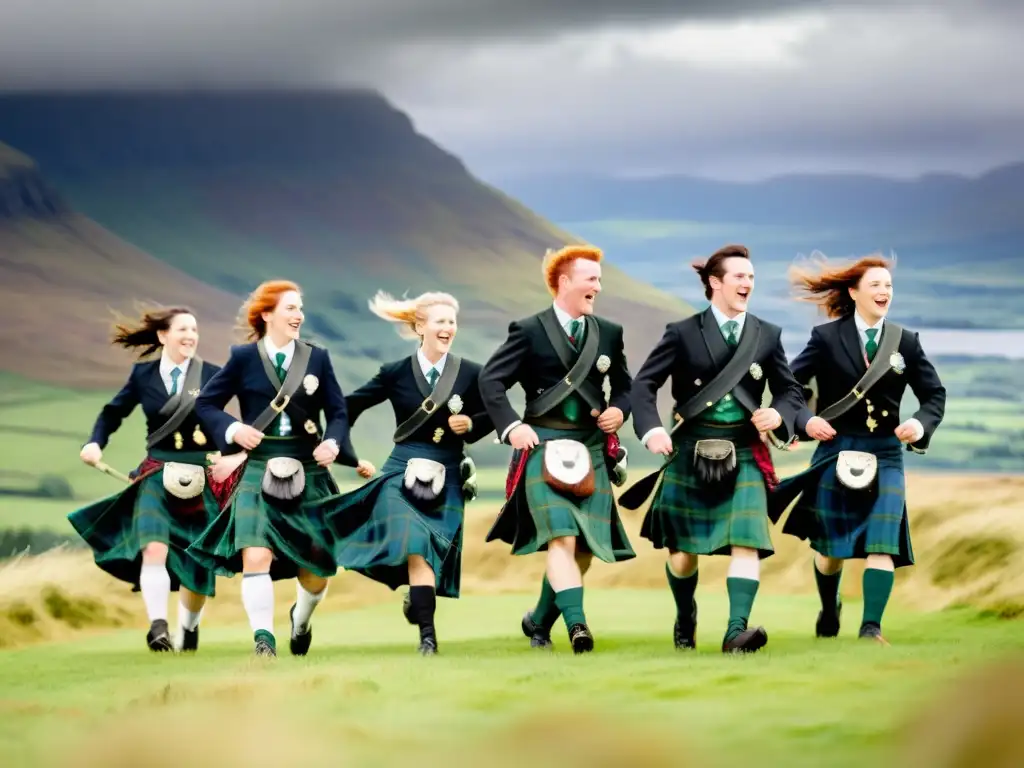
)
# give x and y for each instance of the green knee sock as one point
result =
(570, 603)
(546, 612)
(683, 590)
(741, 600)
(828, 589)
(877, 588)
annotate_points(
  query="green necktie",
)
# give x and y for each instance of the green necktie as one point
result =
(175, 373)
(730, 332)
(574, 332)
(433, 375)
(872, 346)
(279, 370)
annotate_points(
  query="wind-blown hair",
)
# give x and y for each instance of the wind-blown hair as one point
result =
(558, 263)
(829, 286)
(142, 332)
(407, 312)
(715, 265)
(264, 299)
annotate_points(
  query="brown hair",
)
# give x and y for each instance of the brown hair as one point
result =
(264, 299)
(142, 332)
(558, 263)
(715, 266)
(829, 287)
(406, 312)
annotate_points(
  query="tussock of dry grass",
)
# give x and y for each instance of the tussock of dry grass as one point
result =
(968, 538)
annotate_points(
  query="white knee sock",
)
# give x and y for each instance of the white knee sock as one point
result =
(188, 619)
(305, 603)
(155, 583)
(258, 599)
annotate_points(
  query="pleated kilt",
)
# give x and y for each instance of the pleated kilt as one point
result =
(687, 516)
(376, 527)
(119, 526)
(844, 523)
(292, 530)
(535, 513)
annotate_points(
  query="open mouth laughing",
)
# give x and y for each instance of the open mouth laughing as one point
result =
(445, 337)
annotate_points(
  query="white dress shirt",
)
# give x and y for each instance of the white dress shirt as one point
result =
(166, 366)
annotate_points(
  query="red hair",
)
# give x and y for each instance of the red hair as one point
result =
(558, 263)
(830, 288)
(264, 299)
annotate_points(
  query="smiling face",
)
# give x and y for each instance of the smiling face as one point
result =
(181, 339)
(439, 329)
(284, 322)
(732, 290)
(873, 294)
(578, 288)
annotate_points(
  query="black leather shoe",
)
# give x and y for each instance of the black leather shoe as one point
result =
(189, 639)
(685, 636)
(299, 644)
(428, 646)
(581, 639)
(827, 624)
(749, 640)
(539, 637)
(872, 632)
(158, 638)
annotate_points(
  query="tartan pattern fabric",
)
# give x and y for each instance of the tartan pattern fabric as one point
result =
(843, 523)
(536, 513)
(688, 517)
(376, 526)
(119, 526)
(293, 531)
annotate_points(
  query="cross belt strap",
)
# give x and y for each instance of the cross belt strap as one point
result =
(296, 371)
(879, 367)
(442, 390)
(576, 379)
(181, 404)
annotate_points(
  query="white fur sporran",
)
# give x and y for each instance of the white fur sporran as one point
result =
(715, 461)
(856, 470)
(424, 480)
(184, 481)
(284, 478)
(567, 467)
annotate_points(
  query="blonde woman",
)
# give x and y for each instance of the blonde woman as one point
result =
(405, 525)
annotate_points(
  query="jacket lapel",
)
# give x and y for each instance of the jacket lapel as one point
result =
(714, 342)
(850, 339)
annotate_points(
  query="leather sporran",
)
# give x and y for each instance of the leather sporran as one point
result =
(567, 467)
(715, 461)
(284, 478)
(856, 470)
(467, 473)
(423, 481)
(184, 481)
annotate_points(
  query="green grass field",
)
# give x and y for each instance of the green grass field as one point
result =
(364, 697)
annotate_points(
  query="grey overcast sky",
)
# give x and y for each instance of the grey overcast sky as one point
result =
(728, 89)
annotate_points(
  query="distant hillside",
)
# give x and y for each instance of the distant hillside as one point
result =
(335, 190)
(61, 274)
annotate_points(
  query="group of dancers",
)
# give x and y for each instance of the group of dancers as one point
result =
(216, 495)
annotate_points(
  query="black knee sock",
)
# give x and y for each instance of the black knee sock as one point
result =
(422, 602)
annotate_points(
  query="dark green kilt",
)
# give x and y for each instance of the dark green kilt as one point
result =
(687, 516)
(535, 513)
(376, 526)
(119, 526)
(845, 523)
(294, 533)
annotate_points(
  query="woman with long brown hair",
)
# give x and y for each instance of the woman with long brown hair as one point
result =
(280, 460)
(405, 526)
(852, 498)
(139, 535)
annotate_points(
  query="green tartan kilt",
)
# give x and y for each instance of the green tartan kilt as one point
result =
(376, 527)
(687, 516)
(535, 513)
(119, 526)
(844, 523)
(294, 532)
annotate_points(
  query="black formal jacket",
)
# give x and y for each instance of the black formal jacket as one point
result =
(527, 358)
(244, 377)
(145, 387)
(834, 356)
(403, 384)
(693, 351)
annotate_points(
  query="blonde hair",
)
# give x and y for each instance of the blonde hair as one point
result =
(407, 312)
(558, 263)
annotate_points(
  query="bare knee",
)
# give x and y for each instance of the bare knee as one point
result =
(828, 566)
(565, 545)
(420, 572)
(682, 564)
(745, 553)
(154, 553)
(191, 600)
(311, 582)
(880, 562)
(256, 560)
